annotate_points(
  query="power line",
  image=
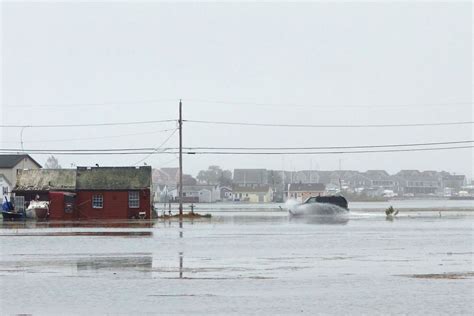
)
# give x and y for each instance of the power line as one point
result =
(233, 102)
(82, 150)
(110, 103)
(157, 148)
(236, 148)
(329, 106)
(332, 147)
(84, 125)
(169, 161)
(241, 124)
(329, 126)
(242, 152)
(92, 138)
(327, 152)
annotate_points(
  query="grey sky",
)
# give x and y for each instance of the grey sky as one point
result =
(317, 63)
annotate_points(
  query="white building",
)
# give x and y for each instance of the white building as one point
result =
(9, 164)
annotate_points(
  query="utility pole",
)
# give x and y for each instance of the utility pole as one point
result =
(180, 158)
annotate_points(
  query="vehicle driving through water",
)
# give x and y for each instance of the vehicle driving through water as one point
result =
(338, 200)
(320, 205)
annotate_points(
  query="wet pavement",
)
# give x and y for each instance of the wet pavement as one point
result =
(239, 263)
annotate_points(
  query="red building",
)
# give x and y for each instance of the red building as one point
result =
(113, 192)
(33, 183)
(90, 192)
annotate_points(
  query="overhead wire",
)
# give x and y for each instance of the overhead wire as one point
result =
(91, 138)
(109, 103)
(328, 106)
(149, 153)
(234, 102)
(328, 152)
(84, 125)
(333, 147)
(157, 148)
(329, 126)
(140, 149)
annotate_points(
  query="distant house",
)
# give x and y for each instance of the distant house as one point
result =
(162, 193)
(9, 164)
(303, 176)
(382, 180)
(257, 194)
(302, 191)
(201, 193)
(418, 183)
(453, 181)
(359, 180)
(166, 176)
(114, 192)
(250, 177)
(319, 176)
(225, 193)
(170, 178)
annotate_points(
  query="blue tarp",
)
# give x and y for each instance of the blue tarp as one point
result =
(7, 206)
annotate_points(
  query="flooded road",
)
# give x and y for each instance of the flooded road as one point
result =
(241, 263)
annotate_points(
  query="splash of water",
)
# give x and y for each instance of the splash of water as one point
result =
(291, 204)
(315, 209)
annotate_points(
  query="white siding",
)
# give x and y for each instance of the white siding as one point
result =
(10, 174)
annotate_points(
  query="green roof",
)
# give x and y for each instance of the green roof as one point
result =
(45, 179)
(113, 178)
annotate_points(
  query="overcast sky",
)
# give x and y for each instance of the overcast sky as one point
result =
(305, 63)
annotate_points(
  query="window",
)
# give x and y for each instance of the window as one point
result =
(97, 201)
(19, 203)
(134, 199)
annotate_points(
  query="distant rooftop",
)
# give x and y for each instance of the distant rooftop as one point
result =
(250, 176)
(307, 187)
(10, 161)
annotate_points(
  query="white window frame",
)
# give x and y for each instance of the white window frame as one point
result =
(98, 201)
(134, 199)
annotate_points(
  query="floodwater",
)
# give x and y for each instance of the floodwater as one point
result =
(260, 263)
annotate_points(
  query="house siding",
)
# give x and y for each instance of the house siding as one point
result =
(115, 205)
(10, 173)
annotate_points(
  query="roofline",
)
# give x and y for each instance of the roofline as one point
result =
(5, 177)
(26, 156)
(37, 163)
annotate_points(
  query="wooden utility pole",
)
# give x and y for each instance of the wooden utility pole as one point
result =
(180, 158)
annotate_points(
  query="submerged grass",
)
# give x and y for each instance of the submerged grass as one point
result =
(443, 276)
(191, 215)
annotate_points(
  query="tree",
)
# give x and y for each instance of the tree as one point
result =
(215, 175)
(52, 163)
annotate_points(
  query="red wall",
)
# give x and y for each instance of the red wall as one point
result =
(56, 207)
(115, 205)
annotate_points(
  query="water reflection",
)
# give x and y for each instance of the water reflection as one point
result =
(87, 233)
(181, 254)
(68, 224)
(143, 263)
(321, 220)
